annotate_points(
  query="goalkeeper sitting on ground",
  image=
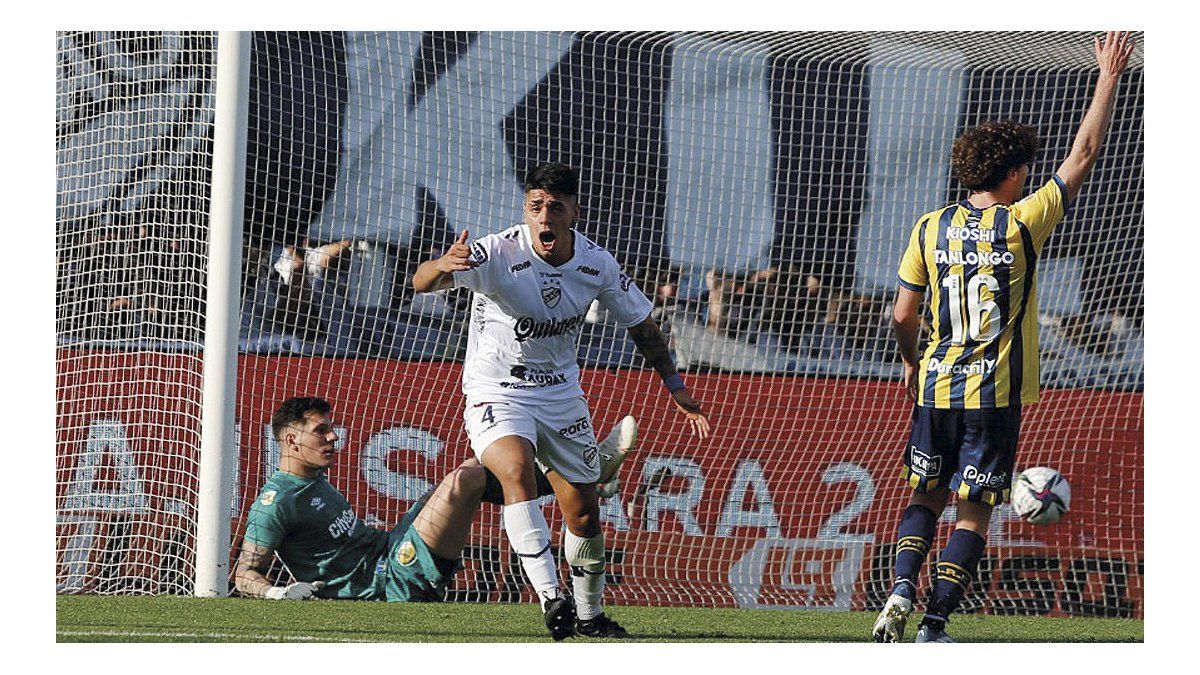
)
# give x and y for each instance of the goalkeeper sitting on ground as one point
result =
(332, 553)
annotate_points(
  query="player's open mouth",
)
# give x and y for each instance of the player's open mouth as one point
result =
(547, 239)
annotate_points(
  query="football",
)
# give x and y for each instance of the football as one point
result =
(1041, 495)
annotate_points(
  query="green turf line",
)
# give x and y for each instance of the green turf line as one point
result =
(176, 619)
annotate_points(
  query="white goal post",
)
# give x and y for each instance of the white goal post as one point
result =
(220, 249)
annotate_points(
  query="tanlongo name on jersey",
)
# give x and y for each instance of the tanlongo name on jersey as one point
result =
(973, 257)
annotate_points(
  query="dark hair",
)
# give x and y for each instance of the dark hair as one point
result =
(555, 178)
(293, 410)
(983, 155)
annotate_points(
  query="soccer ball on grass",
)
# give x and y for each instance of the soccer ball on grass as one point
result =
(1041, 495)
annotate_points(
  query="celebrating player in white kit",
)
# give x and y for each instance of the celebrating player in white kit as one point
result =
(525, 411)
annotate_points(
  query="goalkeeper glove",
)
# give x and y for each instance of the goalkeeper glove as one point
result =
(301, 590)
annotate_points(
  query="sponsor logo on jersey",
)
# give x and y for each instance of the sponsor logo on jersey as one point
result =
(533, 378)
(478, 253)
(993, 479)
(317, 503)
(922, 464)
(406, 553)
(980, 367)
(590, 271)
(343, 524)
(268, 497)
(970, 234)
(576, 428)
(527, 327)
(973, 257)
(520, 266)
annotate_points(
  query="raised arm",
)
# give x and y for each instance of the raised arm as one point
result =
(653, 346)
(438, 274)
(1112, 56)
(249, 577)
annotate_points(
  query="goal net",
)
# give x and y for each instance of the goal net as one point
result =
(759, 187)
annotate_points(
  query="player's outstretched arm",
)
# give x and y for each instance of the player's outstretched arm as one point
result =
(1112, 55)
(249, 577)
(438, 274)
(653, 346)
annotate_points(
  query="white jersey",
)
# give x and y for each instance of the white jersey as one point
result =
(526, 315)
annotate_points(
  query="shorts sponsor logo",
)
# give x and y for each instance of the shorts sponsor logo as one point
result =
(590, 271)
(576, 428)
(922, 464)
(589, 455)
(268, 497)
(406, 553)
(520, 266)
(980, 367)
(995, 479)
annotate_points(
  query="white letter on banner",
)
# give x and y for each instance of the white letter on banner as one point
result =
(452, 143)
(659, 469)
(720, 201)
(612, 513)
(395, 484)
(107, 437)
(749, 475)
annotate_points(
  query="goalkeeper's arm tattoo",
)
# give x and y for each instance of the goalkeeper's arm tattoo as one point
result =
(653, 345)
(249, 576)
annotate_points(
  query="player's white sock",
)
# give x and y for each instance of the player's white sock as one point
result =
(586, 558)
(529, 536)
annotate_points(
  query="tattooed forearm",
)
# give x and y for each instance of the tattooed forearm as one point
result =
(249, 576)
(650, 342)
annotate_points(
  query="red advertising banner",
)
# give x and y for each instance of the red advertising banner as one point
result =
(793, 503)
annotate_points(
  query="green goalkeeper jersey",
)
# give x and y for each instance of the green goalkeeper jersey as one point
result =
(318, 536)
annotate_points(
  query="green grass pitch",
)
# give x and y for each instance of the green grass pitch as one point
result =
(182, 619)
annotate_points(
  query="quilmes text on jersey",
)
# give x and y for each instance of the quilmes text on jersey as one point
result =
(526, 327)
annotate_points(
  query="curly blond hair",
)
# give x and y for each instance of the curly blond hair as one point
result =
(983, 155)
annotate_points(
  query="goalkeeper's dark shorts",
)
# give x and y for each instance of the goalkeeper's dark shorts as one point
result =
(972, 452)
(411, 572)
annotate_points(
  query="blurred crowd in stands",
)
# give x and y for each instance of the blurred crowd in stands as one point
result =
(144, 285)
(130, 282)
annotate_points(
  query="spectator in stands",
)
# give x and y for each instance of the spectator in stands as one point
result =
(861, 320)
(301, 271)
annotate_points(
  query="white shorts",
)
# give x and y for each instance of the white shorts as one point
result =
(560, 432)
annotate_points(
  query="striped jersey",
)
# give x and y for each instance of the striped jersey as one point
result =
(980, 268)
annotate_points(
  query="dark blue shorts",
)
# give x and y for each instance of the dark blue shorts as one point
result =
(972, 452)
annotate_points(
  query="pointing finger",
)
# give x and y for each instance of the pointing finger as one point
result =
(462, 238)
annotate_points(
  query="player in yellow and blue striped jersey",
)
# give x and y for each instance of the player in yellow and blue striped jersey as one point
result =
(977, 259)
